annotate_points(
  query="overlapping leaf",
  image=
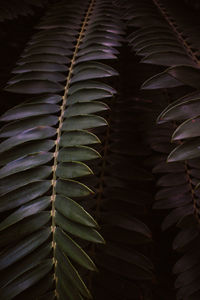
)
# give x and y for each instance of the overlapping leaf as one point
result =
(47, 143)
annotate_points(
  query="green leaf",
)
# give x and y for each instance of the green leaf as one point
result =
(59, 59)
(72, 170)
(71, 188)
(83, 122)
(79, 153)
(88, 95)
(14, 182)
(65, 287)
(73, 250)
(72, 273)
(25, 163)
(95, 55)
(34, 87)
(24, 228)
(76, 229)
(28, 263)
(91, 85)
(95, 48)
(23, 248)
(24, 194)
(85, 108)
(29, 110)
(40, 66)
(26, 280)
(90, 73)
(24, 211)
(36, 133)
(73, 211)
(17, 127)
(37, 75)
(78, 137)
(49, 50)
(28, 148)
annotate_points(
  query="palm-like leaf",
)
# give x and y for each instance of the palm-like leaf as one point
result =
(166, 38)
(47, 141)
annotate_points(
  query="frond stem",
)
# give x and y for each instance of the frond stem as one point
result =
(59, 130)
(168, 18)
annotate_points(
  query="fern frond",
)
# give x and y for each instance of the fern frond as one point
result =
(47, 143)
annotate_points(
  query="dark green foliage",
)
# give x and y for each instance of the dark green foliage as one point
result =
(85, 155)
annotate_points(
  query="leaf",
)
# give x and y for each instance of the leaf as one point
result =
(188, 129)
(81, 231)
(26, 280)
(100, 47)
(85, 108)
(40, 66)
(72, 170)
(72, 273)
(47, 49)
(83, 122)
(17, 127)
(173, 202)
(34, 87)
(131, 224)
(78, 137)
(160, 81)
(71, 188)
(170, 58)
(187, 150)
(185, 237)
(24, 228)
(188, 276)
(96, 55)
(188, 289)
(188, 260)
(14, 182)
(72, 249)
(37, 75)
(36, 133)
(88, 95)
(176, 215)
(24, 194)
(172, 179)
(181, 111)
(186, 74)
(91, 85)
(79, 153)
(157, 48)
(74, 212)
(28, 148)
(90, 73)
(25, 163)
(29, 262)
(59, 59)
(24, 211)
(132, 257)
(29, 110)
(23, 248)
